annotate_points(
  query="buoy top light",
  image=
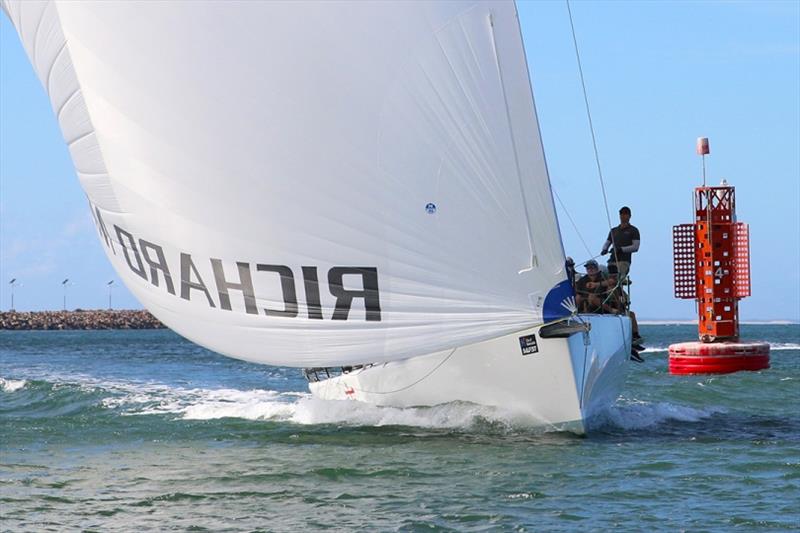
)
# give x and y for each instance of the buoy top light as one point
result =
(702, 146)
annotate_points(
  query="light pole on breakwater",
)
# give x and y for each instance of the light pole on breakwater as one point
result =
(65, 284)
(109, 284)
(13, 284)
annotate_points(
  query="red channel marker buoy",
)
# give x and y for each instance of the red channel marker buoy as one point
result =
(717, 357)
(712, 266)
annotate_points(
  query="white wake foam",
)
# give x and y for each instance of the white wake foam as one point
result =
(296, 407)
(668, 322)
(147, 398)
(229, 403)
(132, 398)
(302, 408)
(777, 346)
(774, 346)
(693, 321)
(452, 415)
(12, 385)
(654, 349)
(635, 414)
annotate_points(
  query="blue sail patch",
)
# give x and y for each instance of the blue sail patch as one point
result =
(559, 302)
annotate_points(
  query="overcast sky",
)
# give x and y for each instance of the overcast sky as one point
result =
(659, 74)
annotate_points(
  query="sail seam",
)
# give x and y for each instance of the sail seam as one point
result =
(80, 138)
(539, 130)
(36, 35)
(477, 158)
(90, 174)
(514, 149)
(64, 105)
(53, 66)
(19, 21)
(103, 193)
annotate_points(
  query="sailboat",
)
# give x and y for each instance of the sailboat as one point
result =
(348, 185)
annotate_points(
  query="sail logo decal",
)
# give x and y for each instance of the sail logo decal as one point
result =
(148, 261)
(528, 344)
(569, 304)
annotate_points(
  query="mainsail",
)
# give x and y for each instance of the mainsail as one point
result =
(309, 183)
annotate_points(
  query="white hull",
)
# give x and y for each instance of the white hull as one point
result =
(564, 384)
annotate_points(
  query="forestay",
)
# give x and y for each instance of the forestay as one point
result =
(309, 184)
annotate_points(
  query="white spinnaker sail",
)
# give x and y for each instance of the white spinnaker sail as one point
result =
(308, 183)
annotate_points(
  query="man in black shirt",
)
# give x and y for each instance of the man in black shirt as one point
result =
(625, 241)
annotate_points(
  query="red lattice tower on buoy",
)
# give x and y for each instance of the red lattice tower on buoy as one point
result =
(712, 267)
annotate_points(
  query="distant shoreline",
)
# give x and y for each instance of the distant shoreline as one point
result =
(79, 319)
(98, 319)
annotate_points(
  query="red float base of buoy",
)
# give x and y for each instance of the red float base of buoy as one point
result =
(717, 357)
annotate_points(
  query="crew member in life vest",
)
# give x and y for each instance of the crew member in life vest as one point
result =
(625, 241)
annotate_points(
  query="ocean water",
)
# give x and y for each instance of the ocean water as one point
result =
(143, 430)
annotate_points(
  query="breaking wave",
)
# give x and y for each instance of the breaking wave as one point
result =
(12, 385)
(634, 414)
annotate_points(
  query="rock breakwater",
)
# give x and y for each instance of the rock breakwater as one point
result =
(79, 319)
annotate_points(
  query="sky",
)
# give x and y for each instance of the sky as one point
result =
(658, 75)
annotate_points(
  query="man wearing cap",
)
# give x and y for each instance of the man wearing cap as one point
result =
(625, 241)
(591, 289)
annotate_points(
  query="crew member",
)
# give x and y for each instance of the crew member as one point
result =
(572, 275)
(618, 302)
(591, 289)
(625, 240)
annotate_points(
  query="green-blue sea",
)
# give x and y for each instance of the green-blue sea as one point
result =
(145, 431)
